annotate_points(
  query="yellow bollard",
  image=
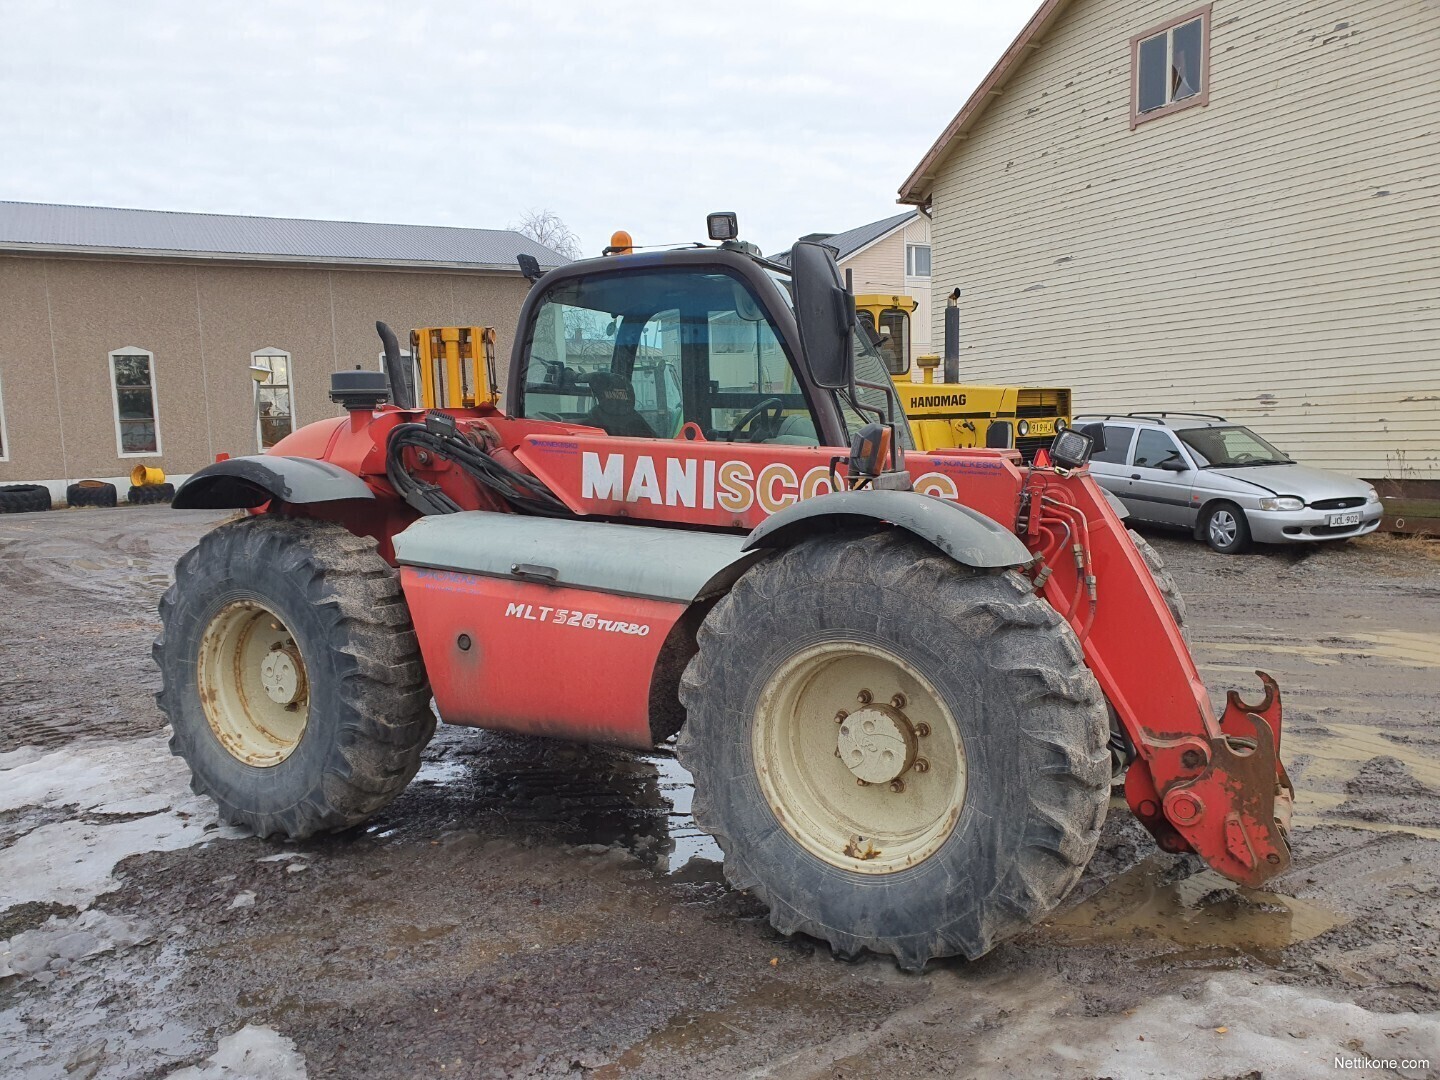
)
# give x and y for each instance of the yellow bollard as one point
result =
(145, 476)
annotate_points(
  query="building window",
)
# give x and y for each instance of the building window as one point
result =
(274, 408)
(1171, 67)
(137, 416)
(917, 260)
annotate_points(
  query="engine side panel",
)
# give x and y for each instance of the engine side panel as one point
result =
(539, 659)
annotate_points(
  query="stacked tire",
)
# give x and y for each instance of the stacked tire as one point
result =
(24, 498)
(150, 494)
(91, 493)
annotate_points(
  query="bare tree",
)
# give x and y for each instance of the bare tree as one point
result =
(545, 227)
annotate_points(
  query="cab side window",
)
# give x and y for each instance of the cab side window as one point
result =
(641, 354)
(1153, 447)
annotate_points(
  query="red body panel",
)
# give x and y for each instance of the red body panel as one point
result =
(542, 660)
(738, 485)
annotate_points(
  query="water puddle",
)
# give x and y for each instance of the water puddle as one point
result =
(562, 792)
(1203, 911)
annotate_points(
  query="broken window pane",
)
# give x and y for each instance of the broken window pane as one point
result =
(1152, 77)
(1185, 61)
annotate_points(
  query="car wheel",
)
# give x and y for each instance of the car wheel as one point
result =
(1225, 529)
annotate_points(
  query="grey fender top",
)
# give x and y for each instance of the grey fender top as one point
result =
(966, 535)
(631, 560)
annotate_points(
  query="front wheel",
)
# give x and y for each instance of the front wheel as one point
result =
(894, 752)
(1226, 529)
(291, 676)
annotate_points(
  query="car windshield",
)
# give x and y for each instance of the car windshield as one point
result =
(1225, 447)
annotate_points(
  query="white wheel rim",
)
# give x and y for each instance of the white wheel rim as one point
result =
(880, 826)
(1222, 527)
(253, 684)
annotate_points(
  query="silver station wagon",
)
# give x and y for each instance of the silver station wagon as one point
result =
(1224, 482)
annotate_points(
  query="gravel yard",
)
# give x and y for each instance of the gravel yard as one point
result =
(530, 908)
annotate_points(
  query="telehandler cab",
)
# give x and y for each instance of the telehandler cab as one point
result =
(902, 681)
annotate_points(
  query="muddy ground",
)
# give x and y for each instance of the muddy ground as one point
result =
(537, 909)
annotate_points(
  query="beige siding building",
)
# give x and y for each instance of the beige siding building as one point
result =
(127, 337)
(1231, 209)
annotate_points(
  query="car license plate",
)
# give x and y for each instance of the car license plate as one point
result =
(1041, 427)
(1337, 520)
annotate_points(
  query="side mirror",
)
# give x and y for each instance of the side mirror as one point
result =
(825, 313)
(1175, 463)
(1097, 436)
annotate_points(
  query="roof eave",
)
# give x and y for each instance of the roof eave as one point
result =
(915, 191)
(883, 236)
(227, 257)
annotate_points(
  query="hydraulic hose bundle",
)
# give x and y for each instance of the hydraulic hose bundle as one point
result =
(440, 438)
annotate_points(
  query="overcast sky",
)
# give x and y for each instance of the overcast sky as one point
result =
(801, 116)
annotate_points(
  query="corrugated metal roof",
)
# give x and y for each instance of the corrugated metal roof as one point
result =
(107, 230)
(848, 243)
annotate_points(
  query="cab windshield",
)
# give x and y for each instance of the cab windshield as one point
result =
(1227, 447)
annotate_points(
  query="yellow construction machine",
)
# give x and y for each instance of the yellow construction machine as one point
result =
(951, 413)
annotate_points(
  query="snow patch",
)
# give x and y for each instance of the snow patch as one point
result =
(252, 1053)
(1233, 1026)
(70, 862)
(59, 943)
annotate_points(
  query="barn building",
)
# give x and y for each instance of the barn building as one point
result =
(1230, 209)
(128, 336)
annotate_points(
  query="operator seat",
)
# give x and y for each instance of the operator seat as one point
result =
(615, 407)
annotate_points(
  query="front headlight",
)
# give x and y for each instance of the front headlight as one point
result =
(1283, 502)
(1024, 427)
(1371, 495)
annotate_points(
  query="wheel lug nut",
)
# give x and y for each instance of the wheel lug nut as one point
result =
(865, 697)
(862, 783)
(898, 701)
(922, 729)
(841, 716)
(897, 786)
(921, 765)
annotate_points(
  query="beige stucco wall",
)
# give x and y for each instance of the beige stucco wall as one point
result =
(61, 318)
(1273, 256)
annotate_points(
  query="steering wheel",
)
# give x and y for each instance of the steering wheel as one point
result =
(773, 404)
(1242, 458)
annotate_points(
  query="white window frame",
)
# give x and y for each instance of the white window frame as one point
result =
(132, 350)
(910, 260)
(4, 434)
(255, 388)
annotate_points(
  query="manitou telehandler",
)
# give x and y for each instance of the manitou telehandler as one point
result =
(901, 681)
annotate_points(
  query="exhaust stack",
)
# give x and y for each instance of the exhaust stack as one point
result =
(952, 338)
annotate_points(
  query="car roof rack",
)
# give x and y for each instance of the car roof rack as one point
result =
(1152, 417)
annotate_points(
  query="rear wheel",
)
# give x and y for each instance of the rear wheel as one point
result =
(1225, 529)
(291, 676)
(894, 752)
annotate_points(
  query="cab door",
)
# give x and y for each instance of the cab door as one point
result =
(1160, 479)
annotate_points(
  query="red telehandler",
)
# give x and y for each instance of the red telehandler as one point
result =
(902, 682)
